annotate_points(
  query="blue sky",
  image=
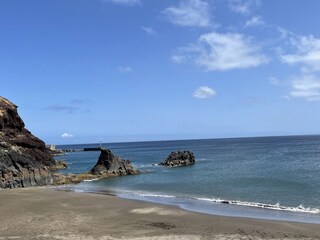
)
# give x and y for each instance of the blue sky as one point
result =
(130, 70)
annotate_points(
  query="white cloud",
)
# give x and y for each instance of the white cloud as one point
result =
(67, 135)
(125, 69)
(178, 58)
(307, 53)
(307, 56)
(306, 87)
(216, 51)
(191, 13)
(254, 22)
(204, 92)
(243, 6)
(149, 30)
(125, 2)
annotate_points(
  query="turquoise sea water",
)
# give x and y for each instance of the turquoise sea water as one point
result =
(266, 177)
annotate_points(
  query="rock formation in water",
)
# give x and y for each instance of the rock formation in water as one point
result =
(110, 165)
(179, 159)
(24, 159)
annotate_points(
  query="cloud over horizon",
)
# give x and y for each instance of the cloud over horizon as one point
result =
(67, 135)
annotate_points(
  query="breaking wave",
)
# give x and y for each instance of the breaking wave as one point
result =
(277, 206)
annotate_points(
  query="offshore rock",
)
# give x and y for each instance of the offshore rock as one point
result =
(179, 159)
(24, 159)
(110, 165)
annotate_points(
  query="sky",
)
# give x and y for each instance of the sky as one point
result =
(84, 71)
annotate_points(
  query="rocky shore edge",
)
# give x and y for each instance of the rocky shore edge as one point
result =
(108, 165)
(25, 161)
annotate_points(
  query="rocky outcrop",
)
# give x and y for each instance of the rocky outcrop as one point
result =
(110, 165)
(60, 164)
(24, 159)
(179, 159)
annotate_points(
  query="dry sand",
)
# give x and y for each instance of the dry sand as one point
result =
(42, 213)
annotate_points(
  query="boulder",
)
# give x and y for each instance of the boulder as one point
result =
(179, 159)
(24, 159)
(110, 165)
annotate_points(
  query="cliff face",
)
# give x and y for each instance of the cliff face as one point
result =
(24, 160)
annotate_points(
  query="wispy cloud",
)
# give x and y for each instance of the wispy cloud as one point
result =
(67, 135)
(243, 6)
(125, 69)
(190, 13)
(254, 22)
(221, 52)
(307, 53)
(149, 30)
(61, 108)
(204, 92)
(306, 87)
(125, 2)
(274, 81)
(284, 33)
(75, 105)
(177, 58)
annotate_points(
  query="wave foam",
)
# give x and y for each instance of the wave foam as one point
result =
(156, 195)
(148, 165)
(91, 180)
(277, 206)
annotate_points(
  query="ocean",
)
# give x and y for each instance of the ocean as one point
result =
(274, 178)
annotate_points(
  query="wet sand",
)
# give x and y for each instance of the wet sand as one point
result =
(43, 213)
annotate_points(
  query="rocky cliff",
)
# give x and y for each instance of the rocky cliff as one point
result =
(110, 165)
(24, 160)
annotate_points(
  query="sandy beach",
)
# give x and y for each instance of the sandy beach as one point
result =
(43, 213)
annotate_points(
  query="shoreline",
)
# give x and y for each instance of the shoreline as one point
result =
(44, 213)
(213, 207)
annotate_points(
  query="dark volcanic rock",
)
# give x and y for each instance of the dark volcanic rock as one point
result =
(110, 165)
(179, 159)
(24, 159)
